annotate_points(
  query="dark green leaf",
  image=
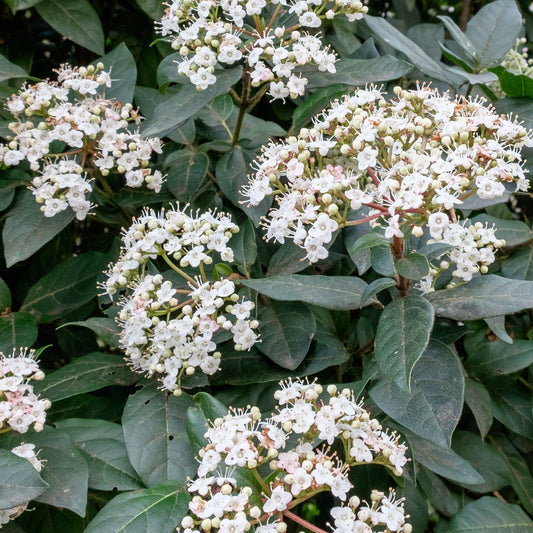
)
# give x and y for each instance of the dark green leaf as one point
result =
(157, 509)
(438, 493)
(458, 36)
(244, 247)
(153, 8)
(206, 409)
(176, 109)
(19, 5)
(68, 286)
(156, 437)
(47, 519)
(76, 20)
(521, 479)
(88, 373)
(106, 329)
(413, 266)
(167, 70)
(376, 287)
(518, 106)
(493, 31)
(433, 407)
(514, 232)
(287, 330)
(19, 481)
(17, 330)
(490, 514)
(497, 326)
(477, 398)
(331, 292)
(123, 72)
(9, 70)
(5, 296)
(402, 336)
(427, 36)
(369, 240)
(483, 297)
(102, 444)
(26, 229)
(186, 172)
(519, 265)
(498, 357)
(287, 259)
(382, 261)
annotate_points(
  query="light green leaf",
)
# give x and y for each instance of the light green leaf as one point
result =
(10, 70)
(17, 330)
(287, 330)
(76, 20)
(402, 337)
(433, 407)
(177, 108)
(68, 286)
(493, 31)
(331, 292)
(88, 373)
(186, 171)
(102, 444)
(26, 229)
(19, 481)
(483, 297)
(490, 514)
(158, 509)
(156, 437)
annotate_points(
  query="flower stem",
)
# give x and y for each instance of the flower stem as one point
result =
(303, 522)
(178, 270)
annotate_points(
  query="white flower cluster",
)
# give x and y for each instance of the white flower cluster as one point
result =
(408, 160)
(94, 130)
(167, 329)
(27, 452)
(19, 406)
(242, 439)
(208, 33)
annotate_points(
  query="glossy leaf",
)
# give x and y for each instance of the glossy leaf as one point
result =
(76, 20)
(402, 336)
(88, 373)
(287, 330)
(68, 286)
(156, 438)
(19, 481)
(490, 514)
(331, 292)
(436, 396)
(155, 509)
(102, 444)
(483, 297)
(17, 330)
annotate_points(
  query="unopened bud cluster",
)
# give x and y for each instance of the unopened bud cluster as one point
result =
(95, 132)
(405, 160)
(243, 439)
(209, 33)
(20, 407)
(169, 329)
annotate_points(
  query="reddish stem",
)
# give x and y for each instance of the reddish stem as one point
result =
(362, 220)
(372, 175)
(302, 522)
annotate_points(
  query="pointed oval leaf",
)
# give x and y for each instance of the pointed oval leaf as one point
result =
(477, 397)
(206, 409)
(10, 70)
(413, 266)
(158, 509)
(244, 247)
(433, 407)
(185, 173)
(376, 287)
(402, 336)
(519, 265)
(16, 330)
(156, 436)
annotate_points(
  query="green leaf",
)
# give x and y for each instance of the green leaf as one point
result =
(19, 481)
(483, 297)
(19, 5)
(442, 461)
(493, 31)
(512, 405)
(186, 171)
(17, 330)
(393, 37)
(177, 108)
(167, 70)
(153, 8)
(287, 330)
(519, 265)
(156, 437)
(244, 247)
(458, 36)
(5, 296)
(106, 329)
(438, 493)
(433, 407)
(76, 20)
(206, 409)
(514, 232)
(521, 479)
(376, 287)
(514, 85)
(369, 240)
(47, 519)
(413, 266)
(68, 286)
(158, 509)
(217, 112)
(362, 71)
(497, 326)
(518, 106)
(490, 514)
(10, 70)
(331, 292)
(102, 444)
(26, 229)
(382, 261)
(477, 397)
(88, 373)
(402, 337)
(485, 459)
(123, 72)
(231, 171)
(65, 470)
(427, 36)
